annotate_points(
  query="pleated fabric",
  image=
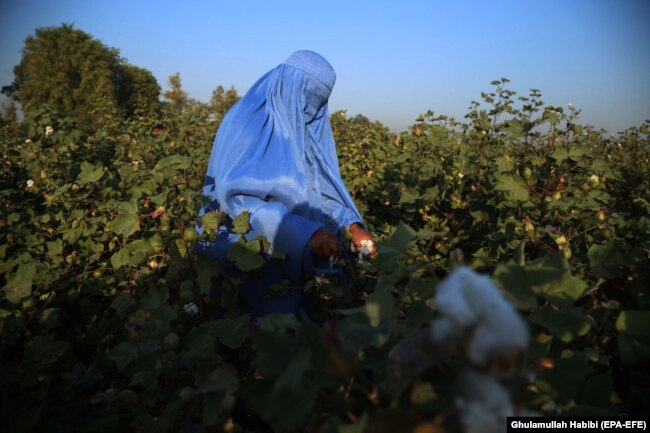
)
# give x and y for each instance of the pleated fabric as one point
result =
(274, 156)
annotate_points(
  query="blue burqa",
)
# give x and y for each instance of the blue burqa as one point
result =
(274, 156)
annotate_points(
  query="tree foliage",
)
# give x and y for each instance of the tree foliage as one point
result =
(221, 102)
(176, 97)
(67, 71)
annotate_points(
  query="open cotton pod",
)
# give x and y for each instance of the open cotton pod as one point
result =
(365, 248)
(476, 321)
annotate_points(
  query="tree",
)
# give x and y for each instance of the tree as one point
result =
(176, 96)
(68, 72)
(139, 92)
(221, 101)
(9, 112)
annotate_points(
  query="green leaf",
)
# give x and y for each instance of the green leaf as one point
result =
(551, 115)
(89, 173)
(409, 195)
(54, 248)
(206, 270)
(511, 277)
(20, 286)
(567, 375)
(174, 162)
(513, 187)
(123, 354)
(240, 223)
(504, 163)
(567, 324)
(120, 258)
(233, 332)
(606, 258)
(44, 350)
(550, 278)
(122, 303)
(211, 409)
(563, 292)
(273, 352)
(211, 221)
(389, 250)
(286, 403)
(633, 338)
(515, 127)
(50, 317)
(560, 154)
(155, 297)
(577, 151)
(200, 345)
(139, 251)
(126, 224)
(246, 255)
(380, 306)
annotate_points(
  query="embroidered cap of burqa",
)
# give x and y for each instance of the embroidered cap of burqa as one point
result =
(274, 156)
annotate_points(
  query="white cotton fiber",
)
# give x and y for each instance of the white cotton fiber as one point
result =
(483, 404)
(365, 248)
(470, 303)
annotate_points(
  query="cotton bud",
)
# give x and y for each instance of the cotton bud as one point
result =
(528, 226)
(528, 173)
(476, 321)
(191, 309)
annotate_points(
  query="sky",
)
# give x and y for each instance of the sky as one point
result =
(394, 60)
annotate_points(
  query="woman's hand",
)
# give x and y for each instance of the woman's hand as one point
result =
(358, 234)
(324, 244)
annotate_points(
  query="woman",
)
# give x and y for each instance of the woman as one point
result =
(274, 156)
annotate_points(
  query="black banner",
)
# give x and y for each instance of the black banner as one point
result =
(585, 424)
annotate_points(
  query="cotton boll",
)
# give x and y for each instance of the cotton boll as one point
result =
(483, 405)
(366, 247)
(470, 304)
(191, 309)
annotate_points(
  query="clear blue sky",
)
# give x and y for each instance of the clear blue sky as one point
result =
(394, 60)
